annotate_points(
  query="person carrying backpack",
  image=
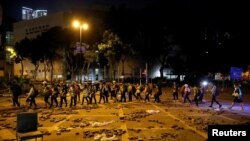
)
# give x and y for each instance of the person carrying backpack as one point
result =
(55, 93)
(46, 93)
(16, 91)
(196, 93)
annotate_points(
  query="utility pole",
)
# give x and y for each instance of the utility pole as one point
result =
(140, 76)
(146, 73)
(118, 72)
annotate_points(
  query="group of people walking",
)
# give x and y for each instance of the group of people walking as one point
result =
(86, 93)
(71, 94)
(199, 92)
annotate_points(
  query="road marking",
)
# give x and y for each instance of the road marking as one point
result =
(154, 128)
(84, 115)
(183, 122)
(125, 137)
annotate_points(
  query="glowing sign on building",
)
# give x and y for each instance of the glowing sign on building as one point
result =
(235, 73)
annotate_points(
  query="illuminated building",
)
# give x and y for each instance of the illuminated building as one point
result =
(39, 13)
(26, 13)
(29, 14)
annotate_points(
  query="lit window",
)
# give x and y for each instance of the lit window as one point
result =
(96, 71)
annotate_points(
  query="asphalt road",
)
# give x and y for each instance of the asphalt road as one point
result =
(167, 120)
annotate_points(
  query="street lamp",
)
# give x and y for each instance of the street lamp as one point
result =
(12, 52)
(11, 56)
(81, 26)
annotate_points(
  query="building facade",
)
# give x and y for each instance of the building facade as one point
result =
(130, 68)
(31, 29)
(6, 41)
(29, 14)
(34, 27)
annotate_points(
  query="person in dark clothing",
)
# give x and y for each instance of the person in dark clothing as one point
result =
(214, 93)
(202, 93)
(102, 96)
(196, 93)
(63, 95)
(123, 91)
(16, 90)
(112, 91)
(106, 92)
(72, 94)
(175, 91)
(134, 92)
(93, 90)
(130, 92)
(148, 92)
(55, 93)
(158, 93)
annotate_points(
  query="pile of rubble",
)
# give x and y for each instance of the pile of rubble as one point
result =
(104, 134)
(136, 115)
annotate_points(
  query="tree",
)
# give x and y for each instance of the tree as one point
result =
(165, 47)
(70, 59)
(30, 49)
(53, 42)
(59, 42)
(35, 54)
(21, 50)
(112, 48)
(56, 42)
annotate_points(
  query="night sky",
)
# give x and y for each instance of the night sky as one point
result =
(225, 23)
(13, 7)
(216, 10)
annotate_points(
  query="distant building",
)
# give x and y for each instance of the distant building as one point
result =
(39, 13)
(6, 41)
(36, 26)
(1, 15)
(31, 29)
(29, 14)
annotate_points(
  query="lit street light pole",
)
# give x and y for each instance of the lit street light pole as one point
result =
(79, 47)
(11, 56)
(81, 26)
